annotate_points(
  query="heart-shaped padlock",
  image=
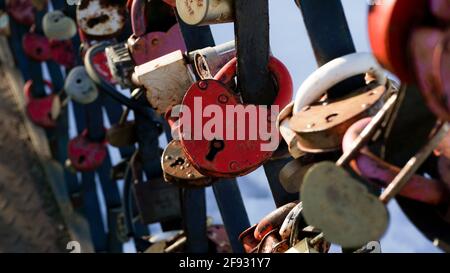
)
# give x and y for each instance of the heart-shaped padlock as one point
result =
(84, 154)
(63, 52)
(36, 46)
(57, 26)
(235, 152)
(80, 87)
(42, 111)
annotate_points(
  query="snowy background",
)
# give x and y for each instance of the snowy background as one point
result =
(290, 43)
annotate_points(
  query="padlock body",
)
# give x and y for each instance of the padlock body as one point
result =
(36, 46)
(58, 26)
(101, 19)
(41, 111)
(22, 11)
(80, 87)
(63, 53)
(205, 12)
(86, 155)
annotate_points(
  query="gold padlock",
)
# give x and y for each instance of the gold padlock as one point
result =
(206, 12)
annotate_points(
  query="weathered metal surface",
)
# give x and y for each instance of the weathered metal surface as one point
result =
(320, 127)
(272, 221)
(178, 170)
(166, 79)
(155, 44)
(101, 18)
(205, 12)
(341, 206)
(120, 64)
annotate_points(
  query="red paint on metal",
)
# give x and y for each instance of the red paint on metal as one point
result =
(36, 46)
(22, 11)
(86, 155)
(39, 109)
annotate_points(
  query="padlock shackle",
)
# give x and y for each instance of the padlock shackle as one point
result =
(138, 19)
(106, 86)
(276, 67)
(334, 72)
(374, 168)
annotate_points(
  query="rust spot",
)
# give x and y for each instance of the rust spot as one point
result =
(92, 22)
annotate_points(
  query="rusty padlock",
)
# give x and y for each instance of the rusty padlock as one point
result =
(42, 111)
(208, 61)
(79, 87)
(63, 53)
(57, 26)
(84, 154)
(5, 28)
(22, 11)
(205, 12)
(320, 127)
(146, 46)
(179, 171)
(349, 215)
(215, 154)
(99, 19)
(123, 133)
(166, 80)
(36, 46)
(272, 221)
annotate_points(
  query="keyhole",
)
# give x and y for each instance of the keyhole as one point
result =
(38, 51)
(215, 147)
(178, 162)
(79, 81)
(81, 159)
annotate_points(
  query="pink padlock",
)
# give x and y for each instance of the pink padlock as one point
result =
(371, 167)
(145, 46)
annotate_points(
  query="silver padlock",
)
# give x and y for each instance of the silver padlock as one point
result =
(205, 12)
(57, 26)
(80, 87)
(166, 80)
(208, 61)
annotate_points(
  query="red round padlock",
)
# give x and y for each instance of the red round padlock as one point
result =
(390, 25)
(36, 46)
(22, 11)
(86, 155)
(42, 111)
(63, 53)
(230, 153)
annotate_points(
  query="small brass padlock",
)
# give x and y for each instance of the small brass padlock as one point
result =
(57, 26)
(122, 134)
(178, 170)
